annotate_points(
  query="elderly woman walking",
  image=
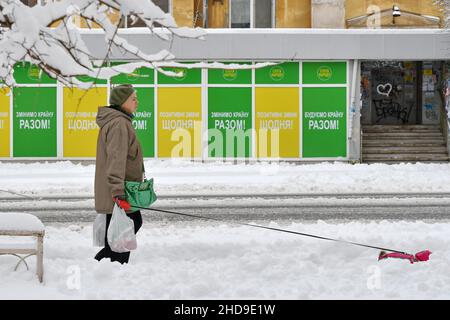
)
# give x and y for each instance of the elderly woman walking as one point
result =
(119, 159)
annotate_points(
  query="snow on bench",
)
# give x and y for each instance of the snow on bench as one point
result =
(23, 224)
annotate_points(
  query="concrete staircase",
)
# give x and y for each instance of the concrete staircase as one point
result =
(408, 143)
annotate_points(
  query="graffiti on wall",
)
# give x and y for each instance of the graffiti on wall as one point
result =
(384, 89)
(386, 108)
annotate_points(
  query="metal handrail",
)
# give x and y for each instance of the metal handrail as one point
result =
(361, 144)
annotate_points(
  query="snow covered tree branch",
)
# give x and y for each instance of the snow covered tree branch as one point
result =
(26, 34)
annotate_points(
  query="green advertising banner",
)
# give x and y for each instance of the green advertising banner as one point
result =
(230, 76)
(144, 120)
(93, 80)
(324, 72)
(138, 76)
(34, 122)
(27, 73)
(229, 122)
(324, 122)
(284, 73)
(190, 76)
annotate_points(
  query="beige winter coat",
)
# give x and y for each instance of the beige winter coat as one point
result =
(119, 157)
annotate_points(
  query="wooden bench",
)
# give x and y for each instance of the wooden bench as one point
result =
(23, 224)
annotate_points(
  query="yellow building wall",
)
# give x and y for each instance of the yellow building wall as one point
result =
(355, 8)
(288, 13)
(218, 13)
(183, 12)
(293, 14)
(80, 22)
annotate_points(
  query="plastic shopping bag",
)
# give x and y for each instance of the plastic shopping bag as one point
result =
(121, 236)
(99, 230)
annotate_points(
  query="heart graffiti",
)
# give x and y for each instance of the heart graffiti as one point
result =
(384, 89)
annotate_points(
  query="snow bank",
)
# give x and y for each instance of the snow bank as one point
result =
(178, 177)
(222, 261)
(20, 221)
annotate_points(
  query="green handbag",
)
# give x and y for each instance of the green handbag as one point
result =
(140, 194)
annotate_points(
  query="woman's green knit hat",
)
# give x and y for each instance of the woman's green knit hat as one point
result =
(120, 94)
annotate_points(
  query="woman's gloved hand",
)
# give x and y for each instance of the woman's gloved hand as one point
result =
(122, 202)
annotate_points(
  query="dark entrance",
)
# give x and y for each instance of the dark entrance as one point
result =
(402, 108)
(390, 93)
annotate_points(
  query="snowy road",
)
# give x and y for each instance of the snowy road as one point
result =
(287, 209)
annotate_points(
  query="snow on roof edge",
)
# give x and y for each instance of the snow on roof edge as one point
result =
(281, 31)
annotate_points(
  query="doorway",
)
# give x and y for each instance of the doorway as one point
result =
(390, 92)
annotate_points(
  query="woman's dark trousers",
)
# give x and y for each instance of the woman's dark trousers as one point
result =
(106, 252)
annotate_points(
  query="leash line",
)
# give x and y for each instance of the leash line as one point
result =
(274, 229)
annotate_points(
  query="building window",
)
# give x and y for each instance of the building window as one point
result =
(240, 14)
(251, 13)
(264, 13)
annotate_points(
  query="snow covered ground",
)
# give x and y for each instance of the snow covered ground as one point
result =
(214, 260)
(223, 261)
(181, 177)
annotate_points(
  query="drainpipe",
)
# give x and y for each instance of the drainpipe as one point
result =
(355, 145)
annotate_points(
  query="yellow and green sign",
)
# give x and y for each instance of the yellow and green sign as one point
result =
(324, 122)
(80, 130)
(284, 73)
(277, 122)
(144, 120)
(138, 76)
(229, 122)
(187, 76)
(230, 76)
(27, 73)
(246, 113)
(324, 72)
(34, 122)
(179, 122)
(4, 122)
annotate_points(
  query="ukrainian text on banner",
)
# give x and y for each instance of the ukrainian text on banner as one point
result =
(80, 130)
(5, 138)
(34, 122)
(144, 120)
(229, 122)
(277, 122)
(179, 122)
(324, 122)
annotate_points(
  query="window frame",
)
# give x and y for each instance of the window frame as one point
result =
(252, 14)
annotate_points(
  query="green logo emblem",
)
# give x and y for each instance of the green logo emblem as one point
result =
(229, 74)
(276, 73)
(134, 76)
(180, 70)
(324, 73)
(34, 73)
